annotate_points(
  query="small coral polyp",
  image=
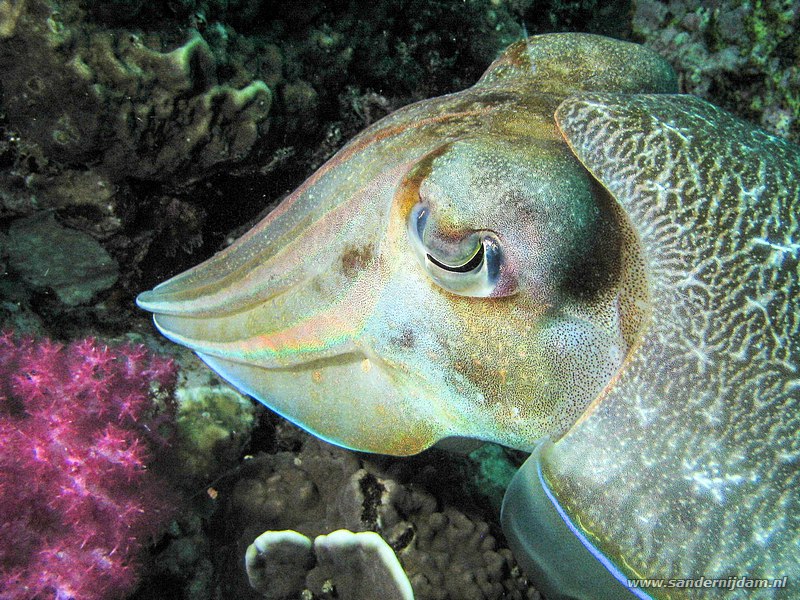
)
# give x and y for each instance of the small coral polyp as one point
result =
(79, 425)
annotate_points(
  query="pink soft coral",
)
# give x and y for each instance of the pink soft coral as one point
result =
(78, 427)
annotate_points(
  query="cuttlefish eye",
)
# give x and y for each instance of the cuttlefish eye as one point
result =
(467, 265)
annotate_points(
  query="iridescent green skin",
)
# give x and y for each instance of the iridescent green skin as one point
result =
(646, 287)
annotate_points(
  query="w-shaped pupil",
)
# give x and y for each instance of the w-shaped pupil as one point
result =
(472, 264)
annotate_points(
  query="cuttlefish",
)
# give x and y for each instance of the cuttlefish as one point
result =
(567, 258)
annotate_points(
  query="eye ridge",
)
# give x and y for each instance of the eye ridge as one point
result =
(472, 264)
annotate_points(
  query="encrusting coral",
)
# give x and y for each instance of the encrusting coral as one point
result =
(342, 564)
(90, 96)
(214, 423)
(92, 120)
(318, 488)
(277, 563)
(79, 427)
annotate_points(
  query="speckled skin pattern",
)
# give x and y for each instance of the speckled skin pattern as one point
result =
(688, 465)
(642, 308)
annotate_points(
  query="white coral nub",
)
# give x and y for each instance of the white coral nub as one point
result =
(359, 566)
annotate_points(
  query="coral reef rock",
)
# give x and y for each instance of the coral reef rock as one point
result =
(342, 564)
(738, 54)
(71, 263)
(447, 551)
(129, 103)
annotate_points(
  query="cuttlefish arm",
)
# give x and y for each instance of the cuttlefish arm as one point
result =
(687, 465)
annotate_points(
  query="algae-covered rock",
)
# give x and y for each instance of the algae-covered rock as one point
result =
(214, 423)
(495, 470)
(131, 105)
(738, 54)
(71, 263)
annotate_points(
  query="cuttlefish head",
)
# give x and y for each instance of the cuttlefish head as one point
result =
(452, 272)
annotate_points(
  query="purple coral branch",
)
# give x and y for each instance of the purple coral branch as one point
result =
(79, 426)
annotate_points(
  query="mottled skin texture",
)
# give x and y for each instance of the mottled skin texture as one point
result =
(636, 294)
(704, 417)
